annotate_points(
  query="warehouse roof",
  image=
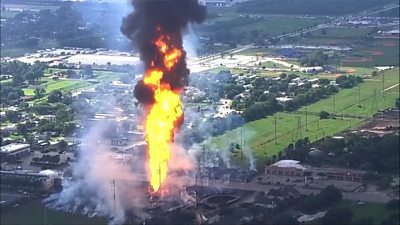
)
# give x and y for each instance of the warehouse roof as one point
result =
(13, 147)
(289, 164)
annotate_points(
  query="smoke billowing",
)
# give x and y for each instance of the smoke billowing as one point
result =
(143, 25)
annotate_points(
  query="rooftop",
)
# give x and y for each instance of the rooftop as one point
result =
(289, 164)
(13, 147)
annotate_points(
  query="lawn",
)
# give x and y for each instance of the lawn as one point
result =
(342, 33)
(259, 135)
(346, 101)
(62, 85)
(75, 84)
(33, 212)
(277, 26)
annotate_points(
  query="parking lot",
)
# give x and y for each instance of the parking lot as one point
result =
(8, 198)
(347, 186)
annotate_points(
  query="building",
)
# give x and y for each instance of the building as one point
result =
(286, 167)
(344, 174)
(294, 168)
(20, 179)
(15, 150)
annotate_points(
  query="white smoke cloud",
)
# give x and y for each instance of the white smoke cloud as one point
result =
(191, 42)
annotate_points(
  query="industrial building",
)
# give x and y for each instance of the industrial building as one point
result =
(14, 150)
(294, 168)
(45, 180)
(286, 167)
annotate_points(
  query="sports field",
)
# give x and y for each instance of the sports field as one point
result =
(65, 85)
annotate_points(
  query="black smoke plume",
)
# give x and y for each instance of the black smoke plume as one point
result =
(172, 17)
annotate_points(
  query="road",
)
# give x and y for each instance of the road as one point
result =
(351, 16)
(370, 196)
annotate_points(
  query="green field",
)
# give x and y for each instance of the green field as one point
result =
(342, 33)
(73, 84)
(277, 26)
(259, 135)
(8, 14)
(383, 52)
(346, 101)
(62, 85)
(33, 213)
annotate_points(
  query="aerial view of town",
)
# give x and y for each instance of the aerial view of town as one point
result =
(195, 112)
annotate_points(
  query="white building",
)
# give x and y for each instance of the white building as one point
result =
(15, 150)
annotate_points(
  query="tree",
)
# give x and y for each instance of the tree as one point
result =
(55, 96)
(63, 145)
(12, 116)
(337, 216)
(39, 92)
(323, 115)
(285, 219)
(87, 71)
(374, 73)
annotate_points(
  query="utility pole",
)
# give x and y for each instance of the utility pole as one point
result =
(298, 128)
(275, 129)
(383, 85)
(374, 101)
(359, 96)
(241, 150)
(318, 124)
(113, 183)
(45, 216)
(306, 119)
(334, 105)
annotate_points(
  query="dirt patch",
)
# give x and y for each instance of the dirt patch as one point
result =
(389, 44)
(351, 70)
(378, 53)
(357, 59)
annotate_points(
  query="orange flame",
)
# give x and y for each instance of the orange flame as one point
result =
(164, 113)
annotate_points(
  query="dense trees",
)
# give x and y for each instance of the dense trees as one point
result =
(22, 72)
(326, 197)
(55, 96)
(323, 115)
(10, 95)
(317, 58)
(337, 216)
(381, 153)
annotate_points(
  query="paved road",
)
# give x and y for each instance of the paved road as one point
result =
(370, 196)
(351, 16)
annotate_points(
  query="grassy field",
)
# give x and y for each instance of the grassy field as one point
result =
(383, 52)
(73, 85)
(62, 85)
(8, 14)
(342, 33)
(346, 101)
(259, 135)
(33, 213)
(277, 26)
